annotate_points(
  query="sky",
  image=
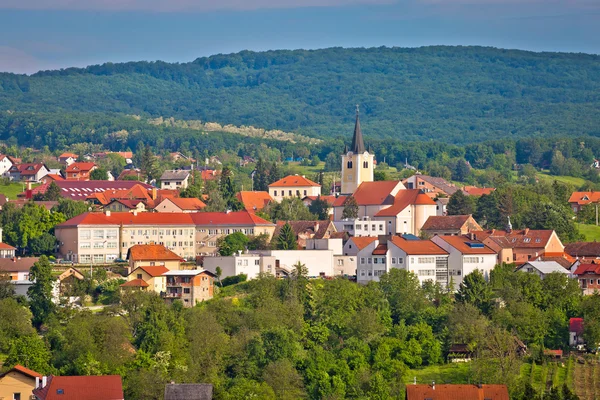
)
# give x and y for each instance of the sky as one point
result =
(52, 34)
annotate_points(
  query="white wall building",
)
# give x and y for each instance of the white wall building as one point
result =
(364, 226)
(294, 186)
(246, 263)
(424, 258)
(543, 268)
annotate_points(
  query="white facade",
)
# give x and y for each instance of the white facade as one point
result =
(5, 165)
(369, 266)
(278, 193)
(427, 267)
(317, 262)
(249, 264)
(364, 226)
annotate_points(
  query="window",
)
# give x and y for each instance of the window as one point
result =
(256, 262)
(400, 260)
(362, 272)
(373, 227)
(98, 258)
(362, 260)
(349, 164)
(305, 193)
(98, 234)
(239, 263)
(526, 240)
(99, 245)
(275, 193)
(290, 192)
(186, 290)
(369, 260)
(245, 263)
(168, 232)
(426, 272)
(381, 227)
(471, 260)
(84, 245)
(426, 260)
(365, 164)
(591, 281)
(85, 234)
(393, 260)
(111, 234)
(139, 276)
(375, 260)
(85, 258)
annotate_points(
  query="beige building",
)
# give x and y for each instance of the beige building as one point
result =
(18, 383)
(175, 179)
(189, 286)
(249, 264)
(179, 205)
(151, 276)
(357, 163)
(152, 255)
(293, 186)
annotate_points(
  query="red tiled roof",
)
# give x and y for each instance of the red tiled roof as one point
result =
(188, 203)
(454, 392)
(555, 353)
(375, 193)
(6, 246)
(67, 155)
(124, 154)
(583, 269)
(362, 241)
(293, 180)
(254, 201)
(403, 199)
(317, 229)
(340, 200)
(329, 199)
(209, 174)
(475, 191)
(107, 387)
(80, 190)
(576, 325)
(135, 283)
(151, 252)
(583, 249)
(55, 177)
(155, 271)
(27, 168)
(380, 250)
(417, 247)
(530, 238)
(461, 244)
(80, 166)
(446, 222)
(17, 264)
(583, 198)
(23, 370)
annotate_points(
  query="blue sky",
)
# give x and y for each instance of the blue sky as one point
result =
(44, 34)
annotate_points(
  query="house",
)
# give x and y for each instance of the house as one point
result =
(460, 353)
(175, 179)
(82, 190)
(151, 276)
(133, 174)
(520, 246)
(152, 255)
(401, 210)
(188, 391)
(106, 387)
(293, 186)
(580, 199)
(543, 268)
(6, 250)
(190, 286)
(576, 332)
(126, 205)
(17, 383)
(319, 263)
(355, 245)
(65, 283)
(364, 226)
(254, 201)
(466, 256)
(304, 230)
(80, 171)
(343, 265)
(176, 156)
(29, 172)
(67, 158)
(589, 277)
(462, 392)
(5, 165)
(130, 197)
(180, 205)
(358, 163)
(249, 264)
(553, 354)
(426, 259)
(209, 174)
(442, 205)
(18, 271)
(583, 251)
(475, 191)
(432, 186)
(51, 178)
(450, 225)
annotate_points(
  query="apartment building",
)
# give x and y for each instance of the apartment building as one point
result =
(424, 258)
(293, 186)
(189, 286)
(249, 264)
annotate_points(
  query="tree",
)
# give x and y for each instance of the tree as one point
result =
(320, 207)
(44, 244)
(404, 294)
(476, 291)
(232, 243)
(350, 208)
(286, 240)
(99, 174)
(289, 209)
(258, 242)
(461, 204)
(70, 208)
(261, 175)
(15, 322)
(460, 171)
(218, 273)
(379, 175)
(7, 289)
(52, 193)
(40, 293)
(30, 351)
(332, 162)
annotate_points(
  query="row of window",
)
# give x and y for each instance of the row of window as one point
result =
(97, 258)
(98, 245)
(394, 260)
(290, 193)
(245, 231)
(98, 234)
(160, 232)
(471, 260)
(365, 164)
(377, 272)
(244, 263)
(168, 244)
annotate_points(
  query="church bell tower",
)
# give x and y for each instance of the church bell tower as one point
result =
(357, 163)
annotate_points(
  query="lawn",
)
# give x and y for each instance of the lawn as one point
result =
(446, 373)
(12, 189)
(591, 232)
(569, 180)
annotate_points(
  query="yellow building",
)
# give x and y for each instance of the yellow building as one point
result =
(17, 383)
(152, 255)
(147, 278)
(293, 186)
(357, 163)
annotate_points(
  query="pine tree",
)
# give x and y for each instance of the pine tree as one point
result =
(274, 173)
(261, 175)
(52, 193)
(286, 240)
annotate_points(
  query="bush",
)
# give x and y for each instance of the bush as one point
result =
(232, 280)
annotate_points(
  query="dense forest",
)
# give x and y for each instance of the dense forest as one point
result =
(452, 94)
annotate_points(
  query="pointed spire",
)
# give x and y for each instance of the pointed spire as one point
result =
(358, 145)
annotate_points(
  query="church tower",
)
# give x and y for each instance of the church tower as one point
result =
(357, 163)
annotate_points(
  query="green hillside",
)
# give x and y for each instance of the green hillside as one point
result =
(452, 94)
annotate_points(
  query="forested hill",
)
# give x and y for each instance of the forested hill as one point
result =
(454, 94)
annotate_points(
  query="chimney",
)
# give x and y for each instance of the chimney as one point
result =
(135, 213)
(472, 236)
(28, 185)
(526, 231)
(154, 193)
(37, 382)
(107, 212)
(44, 381)
(433, 385)
(228, 211)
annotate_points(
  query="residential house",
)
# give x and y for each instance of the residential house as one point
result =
(442, 205)
(148, 278)
(29, 172)
(576, 332)
(67, 158)
(153, 255)
(543, 268)
(190, 286)
(135, 174)
(589, 277)
(475, 191)
(254, 201)
(188, 391)
(48, 179)
(106, 387)
(401, 210)
(249, 264)
(63, 287)
(304, 230)
(6, 250)
(343, 265)
(126, 205)
(520, 246)
(207, 174)
(180, 205)
(17, 383)
(461, 391)
(131, 197)
(82, 190)
(364, 226)
(293, 186)
(17, 269)
(317, 262)
(80, 171)
(175, 179)
(426, 259)
(355, 245)
(176, 156)
(5, 165)
(466, 256)
(580, 199)
(584, 251)
(432, 186)
(450, 225)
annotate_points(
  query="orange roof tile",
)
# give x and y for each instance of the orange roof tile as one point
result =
(403, 199)
(82, 387)
(151, 252)
(453, 392)
(23, 370)
(375, 193)
(475, 191)
(583, 198)
(293, 180)
(254, 201)
(362, 241)
(187, 203)
(380, 250)
(417, 247)
(135, 283)
(154, 271)
(55, 177)
(67, 155)
(461, 243)
(80, 166)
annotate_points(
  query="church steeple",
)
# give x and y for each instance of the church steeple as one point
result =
(358, 145)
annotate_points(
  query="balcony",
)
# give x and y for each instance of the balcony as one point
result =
(171, 295)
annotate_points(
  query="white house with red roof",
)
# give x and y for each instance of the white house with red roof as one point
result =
(427, 260)
(5, 165)
(28, 172)
(293, 186)
(67, 158)
(79, 171)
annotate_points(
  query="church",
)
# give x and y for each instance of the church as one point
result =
(386, 206)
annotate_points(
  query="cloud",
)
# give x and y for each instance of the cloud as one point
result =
(176, 5)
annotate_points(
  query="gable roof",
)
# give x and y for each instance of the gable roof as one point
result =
(453, 392)
(25, 371)
(151, 252)
(465, 245)
(316, 228)
(380, 250)
(17, 264)
(583, 198)
(362, 241)
(80, 167)
(107, 387)
(475, 191)
(576, 325)
(254, 201)
(80, 190)
(67, 155)
(135, 283)
(330, 199)
(403, 199)
(375, 193)
(153, 271)
(546, 267)
(186, 204)
(530, 238)
(583, 269)
(583, 249)
(188, 391)
(175, 174)
(438, 182)
(417, 247)
(292, 181)
(27, 168)
(447, 222)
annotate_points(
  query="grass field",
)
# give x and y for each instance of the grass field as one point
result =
(591, 232)
(570, 180)
(12, 189)
(447, 373)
